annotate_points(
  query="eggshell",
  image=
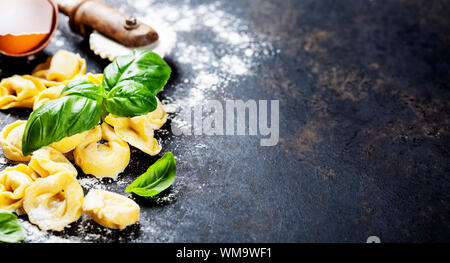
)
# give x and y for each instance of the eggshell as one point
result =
(26, 25)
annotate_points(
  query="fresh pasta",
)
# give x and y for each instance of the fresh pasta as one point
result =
(47, 189)
(54, 92)
(13, 183)
(19, 91)
(110, 209)
(61, 68)
(23, 91)
(136, 131)
(158, 117)
(47, 95)
(102, 160)
(48, 161)
(94, 78)
(11, 141)
(67, 144)
(53, 202)
(139, 131)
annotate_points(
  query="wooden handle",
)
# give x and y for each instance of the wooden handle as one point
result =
(92, 14)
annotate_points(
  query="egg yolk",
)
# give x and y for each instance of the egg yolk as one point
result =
(24, 24)
(21, 43)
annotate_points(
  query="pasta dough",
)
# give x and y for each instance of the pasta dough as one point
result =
(47, 95)
(13, 183)
(11, 141)
(30, 91)
(110, 209)
(54, 92)
(158, 117)
(54, 202)
(61, 68)
(69, 143)
(19, 91)
(94, 78)
(47, 189)
(102, 160)
(48, 161)
(138, 131)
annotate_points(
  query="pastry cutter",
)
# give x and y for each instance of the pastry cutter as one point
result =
(112, 33)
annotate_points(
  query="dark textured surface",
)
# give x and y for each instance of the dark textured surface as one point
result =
(364, 132)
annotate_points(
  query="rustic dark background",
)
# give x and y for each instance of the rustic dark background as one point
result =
(364, 132)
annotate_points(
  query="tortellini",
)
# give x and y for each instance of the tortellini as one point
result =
(47, 95)
(102, 160)
(69, 143)
(48, 161)
(110, 209)
(13, 183)
(19, 91)
(158, 117)
(22, 91)
(62, 67)
(53, 202)
(11, 141)
(47, 189)
(94, 78)
(138, 131)
(54, 92)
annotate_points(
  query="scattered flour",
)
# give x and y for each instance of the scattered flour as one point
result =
(91, 183)
(34, 235)
(228, 55)
(226, 51)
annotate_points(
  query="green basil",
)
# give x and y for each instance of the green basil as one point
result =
(11, 230)
(59, 118)
(156, 179)
(129, 87)
(142, 66)
(84, 88)
(129, 99)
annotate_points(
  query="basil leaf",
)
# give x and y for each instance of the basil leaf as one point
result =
(156, 179)
(84, 88)
(11, 230)
(113, 72)
(130, 99)
(142, 66)
(59, 118)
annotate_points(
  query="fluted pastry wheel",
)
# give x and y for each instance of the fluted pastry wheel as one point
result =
(107, 48)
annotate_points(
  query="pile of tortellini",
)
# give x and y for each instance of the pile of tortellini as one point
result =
(46, 189)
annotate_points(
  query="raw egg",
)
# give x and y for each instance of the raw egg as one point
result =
(26, 26)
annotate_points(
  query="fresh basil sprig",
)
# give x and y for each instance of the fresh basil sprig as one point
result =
(84, 88)
(11, 230)
(56, 119)
(129, 89)
(158, 177)
(130, 99)
(144, 67)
